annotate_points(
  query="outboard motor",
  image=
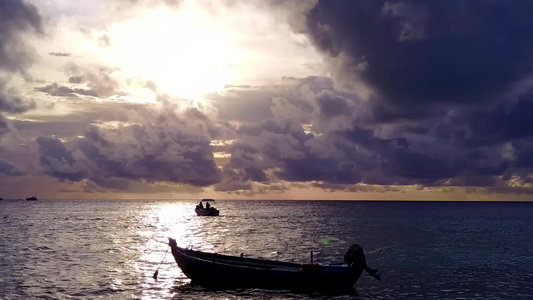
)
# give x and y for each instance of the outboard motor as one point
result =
(355, 257)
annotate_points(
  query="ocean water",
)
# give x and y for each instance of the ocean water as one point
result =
(95, 249)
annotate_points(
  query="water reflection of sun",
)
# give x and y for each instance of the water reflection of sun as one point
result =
(161, 221)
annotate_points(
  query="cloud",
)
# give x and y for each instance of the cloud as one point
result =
(101, 81)
(507, 121)
(413, 53)
(60, 54)
(5, 126)
(421, 95)
(76, 79)
(314, 133)
(292, 154)
(10, 102)
(62, 91)
(57, 161)
(8, 169)
(233, 180)
(81, 115)
(16, 19)
(166, 146)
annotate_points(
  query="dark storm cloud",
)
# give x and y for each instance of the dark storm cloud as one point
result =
(450, 94)
(164, 146)
(16, 18)
(275, 138)
(320, 169)
(4, 125)
(332, 105)
(283, 146)
(503, 122)
(57, 161)
(525, 157)
(418, 52)
(349, 144)
(419, 158)
(7, 168)
(176, 157)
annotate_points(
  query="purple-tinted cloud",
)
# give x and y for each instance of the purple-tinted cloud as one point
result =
(7, 168)
(434, 149)
(419, 52)
(166, 147)
(16, 18)
(58, 162)
(4, 125)
(76, 79)
(422, 93)
(62, 91)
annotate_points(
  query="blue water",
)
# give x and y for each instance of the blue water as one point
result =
(90, 249)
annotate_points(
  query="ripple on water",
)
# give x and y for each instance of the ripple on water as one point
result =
(110, 249)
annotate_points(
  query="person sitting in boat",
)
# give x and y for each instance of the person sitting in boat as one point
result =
(207, 205)
(201, 205)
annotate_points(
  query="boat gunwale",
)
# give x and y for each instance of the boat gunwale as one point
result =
(236, 261)
(254, 263)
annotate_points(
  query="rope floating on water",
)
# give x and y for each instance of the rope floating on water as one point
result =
(157, 271)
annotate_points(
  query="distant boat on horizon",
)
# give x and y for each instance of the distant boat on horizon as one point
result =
(33, 198)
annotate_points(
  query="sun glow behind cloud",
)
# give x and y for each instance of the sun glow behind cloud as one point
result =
(183, 51)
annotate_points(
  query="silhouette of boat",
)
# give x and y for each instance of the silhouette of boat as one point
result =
(206, 210)
(33, 198)
(223, 271)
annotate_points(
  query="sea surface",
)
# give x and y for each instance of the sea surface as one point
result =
(95, 249)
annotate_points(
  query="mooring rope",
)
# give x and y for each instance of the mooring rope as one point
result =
(157, 271)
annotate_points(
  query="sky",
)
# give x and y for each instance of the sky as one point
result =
(228, 99)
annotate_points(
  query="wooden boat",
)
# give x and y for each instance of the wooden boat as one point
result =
(33, 198)
(223, 271)
(208, 210)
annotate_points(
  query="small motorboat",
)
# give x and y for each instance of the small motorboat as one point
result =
(33, 198)
(206, 210)
(223, 271)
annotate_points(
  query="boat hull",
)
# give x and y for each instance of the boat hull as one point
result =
(207, 212)
(222, 271)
